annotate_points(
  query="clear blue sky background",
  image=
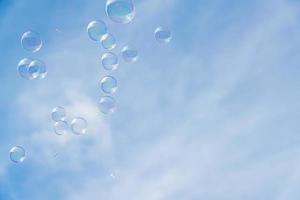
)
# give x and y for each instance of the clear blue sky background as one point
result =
(213, 115)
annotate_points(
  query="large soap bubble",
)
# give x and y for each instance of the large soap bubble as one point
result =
(17, 154)
(58, 114)
(109, 84)
(120, 11)
(61, 127)
(97, 30)
(107, 105)
(129, 53)
(23, 67)
(108, 42)
(79, 126)
(31, 41)
(110, 61)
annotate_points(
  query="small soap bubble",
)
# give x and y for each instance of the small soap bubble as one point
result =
(17, 154)
(107, 105)
(61, 127)
(31, 41)
(162, 35)
(110, 61)
(120, 11)
(79, 126)
(109, 84)
(96, 30)
(58, 114)
(55, 155)
(108, 42)
(23, 67)
(129, 53)
(113, 175)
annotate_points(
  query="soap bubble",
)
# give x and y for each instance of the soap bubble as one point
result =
(110, 61)
(37, 69)
(33, 71)
(23, 67)
(58, 114)
(61, 127)
(42, 68)
(129, 53)
(97, 30)
(31, 41)
(162, 35)
(79, 126)
(109, 84)
(120, 11)
(108, 42)
(107, 105)
(17, 154)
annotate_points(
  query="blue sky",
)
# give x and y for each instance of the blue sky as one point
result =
(212, 115)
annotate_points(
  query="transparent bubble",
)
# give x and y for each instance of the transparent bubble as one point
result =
(120, 11)
(37, 69)
(129, 53)
(23, 67)
(162, 35)
(42, 68)
(109, 84)
(110, 61)
(61, 127)
(109, 42)
(107, 105)
(97, 30)
(17, 154)
(79, 126)
(31, 41)
(58, 114)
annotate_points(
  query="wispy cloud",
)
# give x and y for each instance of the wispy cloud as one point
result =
(195, 118)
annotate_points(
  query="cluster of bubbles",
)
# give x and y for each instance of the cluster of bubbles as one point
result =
(78, 125)
(32, 69)
(28, 68)
(122, 12)
(119, 11)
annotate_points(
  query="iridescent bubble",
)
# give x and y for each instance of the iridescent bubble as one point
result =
(58, 114)
(61, 127)
(110, 61)
(120, 11)
(79, 126)
(107, 105)
(37, 69)
(23, 67)
(108, 42)
(31, 41)
(162, 35)
(109, 84)
(97, 30)
(17, 154)
(129, 53)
